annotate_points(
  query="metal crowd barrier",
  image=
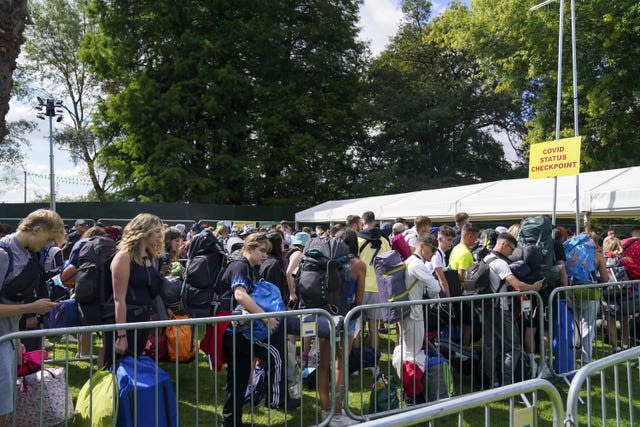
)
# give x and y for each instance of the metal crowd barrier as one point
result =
(603, 405)
(199, 392)
(457, 406)
(590, 321)
(467, 366)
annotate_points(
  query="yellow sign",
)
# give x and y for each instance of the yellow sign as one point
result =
(555, 158)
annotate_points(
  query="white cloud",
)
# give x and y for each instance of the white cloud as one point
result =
(379, 21)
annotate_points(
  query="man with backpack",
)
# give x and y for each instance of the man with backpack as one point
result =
(20, 274)
(499, 331)
(370, 244)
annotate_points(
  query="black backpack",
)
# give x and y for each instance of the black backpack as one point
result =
(477, 277)
(93, 279)
(27, 284)
(324, 268)
(205, 265)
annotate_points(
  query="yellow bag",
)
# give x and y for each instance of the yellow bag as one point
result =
(184, 348)
(101, 408)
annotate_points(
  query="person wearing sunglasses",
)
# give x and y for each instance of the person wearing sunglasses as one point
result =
(500, 335)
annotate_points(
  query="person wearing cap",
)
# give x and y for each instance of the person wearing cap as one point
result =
(79, 227)
(221, 231)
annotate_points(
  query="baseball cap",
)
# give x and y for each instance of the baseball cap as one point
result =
(80, 222)
(301, 238)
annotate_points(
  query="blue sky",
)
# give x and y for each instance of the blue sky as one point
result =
(379, 20)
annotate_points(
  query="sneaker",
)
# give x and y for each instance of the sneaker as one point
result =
(68, 337)
(545, 373)
(46, 343)
(341, 419)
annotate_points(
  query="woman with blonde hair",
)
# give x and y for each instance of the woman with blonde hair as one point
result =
(135, 282)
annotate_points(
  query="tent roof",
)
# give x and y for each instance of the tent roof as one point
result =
(609, 193)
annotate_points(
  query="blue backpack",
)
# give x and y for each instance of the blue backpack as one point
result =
(139, 385)
(267, 296)
(580, 252)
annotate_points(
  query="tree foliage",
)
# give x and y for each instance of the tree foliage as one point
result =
(13, 18)
(52, 60)
(520, 48)
(433, 115)
(229, 102)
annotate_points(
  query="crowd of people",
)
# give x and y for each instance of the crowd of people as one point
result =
(436, 259)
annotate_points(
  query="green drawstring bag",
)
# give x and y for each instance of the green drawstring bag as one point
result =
(101, 409)
(384, 394)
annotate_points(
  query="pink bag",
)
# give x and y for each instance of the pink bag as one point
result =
(57, 406)
(31, 362)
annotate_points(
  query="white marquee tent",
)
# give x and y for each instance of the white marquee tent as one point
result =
(609, 193)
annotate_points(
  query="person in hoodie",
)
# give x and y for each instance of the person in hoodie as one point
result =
(370, 244)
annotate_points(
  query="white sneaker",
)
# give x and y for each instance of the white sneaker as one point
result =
(46, 343)
(341, 419)
(68, 337)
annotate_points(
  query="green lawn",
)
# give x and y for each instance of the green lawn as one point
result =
(198, 389)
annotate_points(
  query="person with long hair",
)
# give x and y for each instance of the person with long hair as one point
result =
(135, 282)
(239, 278)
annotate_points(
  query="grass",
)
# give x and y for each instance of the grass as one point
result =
(198, 390)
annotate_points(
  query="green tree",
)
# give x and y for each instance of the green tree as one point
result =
(433, 115)
(13, 19)
(229, 102)
(52, 60)
(520, 49)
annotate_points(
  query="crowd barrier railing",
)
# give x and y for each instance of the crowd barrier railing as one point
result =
(459, 405)
(474, 343)
(199, 391)
(600, 399)
(590, 321)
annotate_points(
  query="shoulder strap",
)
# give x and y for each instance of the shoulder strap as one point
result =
(7, 250)
(363, 246)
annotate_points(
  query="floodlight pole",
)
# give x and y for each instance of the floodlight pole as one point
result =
(50, 111)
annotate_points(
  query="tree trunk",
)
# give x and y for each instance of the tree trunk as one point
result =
(13, 18)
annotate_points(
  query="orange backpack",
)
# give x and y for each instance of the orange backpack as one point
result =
(181, 342)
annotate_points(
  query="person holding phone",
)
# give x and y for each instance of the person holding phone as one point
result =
(20, 274)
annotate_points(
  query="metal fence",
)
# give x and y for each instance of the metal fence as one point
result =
(473, 343)
(588, 322)
(456, 407)
(199, 392)
(611, 389)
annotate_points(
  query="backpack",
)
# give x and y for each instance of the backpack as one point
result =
(4, 246)
(536, 241)
(390, 269)
(28, 283)
(94, 260)
(477, 277)
(324, 268)
(580, 252)
(141, 386)
(205, 265)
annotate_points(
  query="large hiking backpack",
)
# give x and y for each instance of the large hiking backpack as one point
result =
(205, 262)
(477, 277)
(580, 252)
(93, 278)
(324, 268)
(390, 269)
(537, 231)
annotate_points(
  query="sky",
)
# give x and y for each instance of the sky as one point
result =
(379, 20)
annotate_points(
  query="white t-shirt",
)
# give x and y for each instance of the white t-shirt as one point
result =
(411, 236)
(418, 270)
(498, 272)
(438, 259)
